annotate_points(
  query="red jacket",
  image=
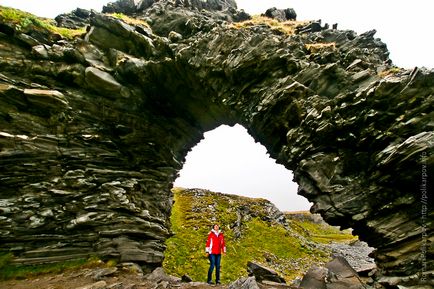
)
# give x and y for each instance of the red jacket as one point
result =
(215, 243)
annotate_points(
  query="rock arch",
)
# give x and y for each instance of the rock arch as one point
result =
(93, 131)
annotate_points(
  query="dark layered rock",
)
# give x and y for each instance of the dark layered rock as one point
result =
(357, 254)
(76, 19)
(94, 131)
(130, 7)
(281, 14)
(337, 274)
(185, 17)
(127, 7)
(315, 278)
(244, 283)
(262, 273)
(342, 275)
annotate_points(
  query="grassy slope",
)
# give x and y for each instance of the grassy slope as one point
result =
(318, 232)
(281, 27)
(23, 21)
(12, 271)
(269, 243)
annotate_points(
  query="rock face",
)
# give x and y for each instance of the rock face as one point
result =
(244, 283)
(93, 131)
(262, 273)
(281, 14)
(337, 274)
(74, 20)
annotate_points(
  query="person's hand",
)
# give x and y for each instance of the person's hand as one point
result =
(207, 255)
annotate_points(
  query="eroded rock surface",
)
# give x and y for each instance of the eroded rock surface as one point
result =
(94, 130)
(262, 273)
(337, 274)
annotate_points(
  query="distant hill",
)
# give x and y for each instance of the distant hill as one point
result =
(255, 230)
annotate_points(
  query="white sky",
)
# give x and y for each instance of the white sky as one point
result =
(228, 160)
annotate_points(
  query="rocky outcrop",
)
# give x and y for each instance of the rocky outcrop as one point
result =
(76, 19)
(130, 7)
(182, 16)
(244, 283)
(94, 131)
(335, 275)
(262, 273)
(281, 14)
(357, 255)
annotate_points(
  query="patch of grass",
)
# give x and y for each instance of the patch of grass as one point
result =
(322, 233)
(388, 72)
(11, 271)
(65, 32)
(320, 47)
(23, 21)
(328, 238)
(285, 27)
(262, 241)
(130, 20)
(5, 259)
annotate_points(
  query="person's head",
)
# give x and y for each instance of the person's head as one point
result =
(216, 227)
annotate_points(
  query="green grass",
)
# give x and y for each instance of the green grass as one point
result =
(283, 27)
(130, 20)
(11, 271)
(320, 47)
(23, 21)
(390, 71)
(322, 233)
(265, 242)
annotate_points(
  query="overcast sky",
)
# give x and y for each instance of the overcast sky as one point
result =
(228, 160)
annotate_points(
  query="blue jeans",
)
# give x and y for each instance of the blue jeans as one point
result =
(214, 261)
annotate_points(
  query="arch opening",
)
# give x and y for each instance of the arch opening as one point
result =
(228, 160)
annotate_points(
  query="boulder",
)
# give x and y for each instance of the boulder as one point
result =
(244, 283)
(281, 14)
(101, 80)
(337, 274)
(28, 39)
(127, 7)
(290, 14)
(76, 19)
(315, 278)
(341, 275)
(185, 278)
(357, 254)
(132, 268)
(40, 51)
(262, 273)
(159, 275)
(44, 98)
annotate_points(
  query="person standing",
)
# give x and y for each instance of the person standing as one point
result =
(215, 245)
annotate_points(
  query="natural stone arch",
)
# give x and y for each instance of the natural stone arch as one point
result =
(114, 116)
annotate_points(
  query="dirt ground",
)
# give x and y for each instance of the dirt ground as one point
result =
(91, 279)
(85, 279)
